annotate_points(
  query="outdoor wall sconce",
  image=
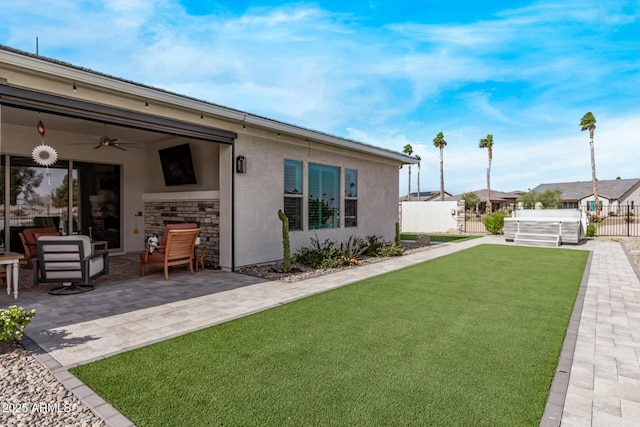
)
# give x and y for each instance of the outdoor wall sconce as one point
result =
(241, 164)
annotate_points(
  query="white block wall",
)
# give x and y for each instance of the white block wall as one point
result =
(428, 217)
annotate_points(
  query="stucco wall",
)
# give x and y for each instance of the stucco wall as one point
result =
(205, 165)
(428, 217)
(260, 193)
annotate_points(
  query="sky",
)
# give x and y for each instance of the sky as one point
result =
(386, 73)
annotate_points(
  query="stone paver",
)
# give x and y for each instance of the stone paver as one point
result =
(598, 378)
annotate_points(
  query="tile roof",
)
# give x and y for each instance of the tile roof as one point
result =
(612, 189)
(496, 195)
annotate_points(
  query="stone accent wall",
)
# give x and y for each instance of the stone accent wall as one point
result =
(205, 213)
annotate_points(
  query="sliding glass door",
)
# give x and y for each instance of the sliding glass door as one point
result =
(39, 197)
(99, 202)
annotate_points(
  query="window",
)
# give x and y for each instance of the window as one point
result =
(293, 193)
(591, 205)
(350, 198)
(324, 196)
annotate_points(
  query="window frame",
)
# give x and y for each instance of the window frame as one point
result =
(328, 205)
(294, 196)
(350, 197)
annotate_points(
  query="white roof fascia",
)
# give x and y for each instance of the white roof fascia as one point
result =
(153, 94)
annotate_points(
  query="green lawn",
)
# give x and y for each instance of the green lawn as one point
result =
(468, 339)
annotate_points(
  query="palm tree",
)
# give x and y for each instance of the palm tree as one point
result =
(408, 150)
(418, 158)
(439, 142)
(589, 122)
(488, 144)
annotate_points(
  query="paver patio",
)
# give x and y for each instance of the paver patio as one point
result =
(603, 386)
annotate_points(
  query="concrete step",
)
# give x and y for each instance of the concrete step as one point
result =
(532, 239)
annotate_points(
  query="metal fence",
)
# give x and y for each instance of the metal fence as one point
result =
(473, 223)
(622, 221)
(617, 221)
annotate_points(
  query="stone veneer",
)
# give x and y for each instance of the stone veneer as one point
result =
(205, 213)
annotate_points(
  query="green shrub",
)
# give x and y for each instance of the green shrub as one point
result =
(13, 320)
(314, 255)
(389, 251)
(494, 223)
(373, 244)
(353, 247)
(591, 230)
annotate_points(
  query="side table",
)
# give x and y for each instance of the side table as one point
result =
(99, 246)
(200, 249)
(10, 260)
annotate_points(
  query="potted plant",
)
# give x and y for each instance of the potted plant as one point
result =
(13, 320)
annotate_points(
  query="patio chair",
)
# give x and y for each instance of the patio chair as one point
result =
(175, 248)
(68, 260)
(29, 236)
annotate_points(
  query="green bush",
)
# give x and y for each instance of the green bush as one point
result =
(13, 320)
(373, 244)
(389, 251)
(494, 223)
(329, 255)
(314, 255)
(353, 248)
(591, 230)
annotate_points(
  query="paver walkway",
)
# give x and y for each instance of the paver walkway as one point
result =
(604, 384)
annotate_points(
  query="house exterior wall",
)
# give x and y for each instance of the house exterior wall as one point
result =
(632, 198)
(260, 194)
(249, 228)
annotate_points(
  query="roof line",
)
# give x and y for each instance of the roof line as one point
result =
(73, 72)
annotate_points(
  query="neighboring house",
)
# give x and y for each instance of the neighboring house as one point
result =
(425, 196)
(500, 200)
(186, 160)
(612, 194)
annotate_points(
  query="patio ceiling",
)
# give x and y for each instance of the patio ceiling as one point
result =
(92, 130)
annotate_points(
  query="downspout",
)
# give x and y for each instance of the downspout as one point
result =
(233, 206)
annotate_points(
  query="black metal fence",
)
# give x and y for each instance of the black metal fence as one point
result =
(622, 221)
(617, 221)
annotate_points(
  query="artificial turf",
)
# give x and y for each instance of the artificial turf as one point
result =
(472, 338)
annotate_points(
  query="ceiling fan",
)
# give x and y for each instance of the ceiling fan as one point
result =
(107, 141)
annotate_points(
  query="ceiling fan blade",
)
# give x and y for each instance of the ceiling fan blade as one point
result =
(97, 146)
(119, 147)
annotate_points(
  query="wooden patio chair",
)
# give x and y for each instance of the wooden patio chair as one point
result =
(178, 250)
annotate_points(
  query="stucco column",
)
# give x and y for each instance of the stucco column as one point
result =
(226, 206)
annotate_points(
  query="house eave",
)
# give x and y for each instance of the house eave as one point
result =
(80, 76)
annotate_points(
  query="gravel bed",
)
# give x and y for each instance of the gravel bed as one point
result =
(301, 272)
(31, 396)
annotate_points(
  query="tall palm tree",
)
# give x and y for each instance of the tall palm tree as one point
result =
(408, 150)
(439, 142)
(488, 144)
(589, 122)
(418, 158)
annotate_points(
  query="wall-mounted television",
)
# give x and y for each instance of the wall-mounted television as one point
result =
(177, 165)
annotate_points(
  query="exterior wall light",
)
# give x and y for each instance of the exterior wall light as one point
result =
(241, 164)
